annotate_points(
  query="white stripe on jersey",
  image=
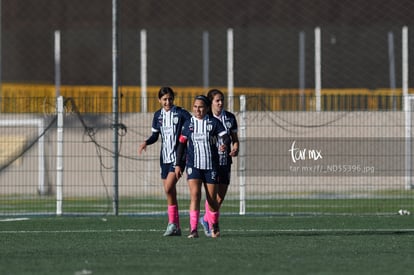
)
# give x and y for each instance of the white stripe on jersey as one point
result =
(168, 133)
(222, 155)
(201, 143)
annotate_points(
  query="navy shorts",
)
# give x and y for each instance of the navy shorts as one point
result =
(206, 176)
(224, 173)
(166, 168)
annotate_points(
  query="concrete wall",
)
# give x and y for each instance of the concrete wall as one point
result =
(364, 139)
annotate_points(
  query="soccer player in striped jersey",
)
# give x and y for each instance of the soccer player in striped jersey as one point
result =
(200, 135)
(168, 122)
(229, 122)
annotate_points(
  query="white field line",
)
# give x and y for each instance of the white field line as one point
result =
(13, 219)
(314, 231)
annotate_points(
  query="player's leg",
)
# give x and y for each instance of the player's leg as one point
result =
(223, 184)
(213, 207)
(221, 194)
(224, 181)
(204, 220)
(194, 184)
(211, 187)
(169, 182)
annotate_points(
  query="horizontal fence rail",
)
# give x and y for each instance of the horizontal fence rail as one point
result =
(25, 98)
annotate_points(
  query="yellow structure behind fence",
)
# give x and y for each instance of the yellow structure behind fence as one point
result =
(39, 98)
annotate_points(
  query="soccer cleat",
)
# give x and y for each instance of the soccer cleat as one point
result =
(172, 230)
(203, 223)
(215, 231)
(193, 234)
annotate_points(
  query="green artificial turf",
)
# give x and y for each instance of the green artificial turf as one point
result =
(343, 244)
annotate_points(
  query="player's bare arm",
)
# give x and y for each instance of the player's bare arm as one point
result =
(142, 147)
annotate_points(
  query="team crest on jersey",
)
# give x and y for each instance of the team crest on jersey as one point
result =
(209, 127)
(228, 124)
(160, 120)
(175, 119)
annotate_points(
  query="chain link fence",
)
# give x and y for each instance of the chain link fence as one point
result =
(279, 54)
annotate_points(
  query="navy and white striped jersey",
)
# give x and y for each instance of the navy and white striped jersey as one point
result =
(169, 125)
(202, 136)
(230, 124)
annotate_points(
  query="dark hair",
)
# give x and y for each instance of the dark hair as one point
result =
(213, 92)
(204, 99)
(165, 90)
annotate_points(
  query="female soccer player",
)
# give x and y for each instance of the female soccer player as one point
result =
(230, 124)
(168, 122)
(200, 134)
